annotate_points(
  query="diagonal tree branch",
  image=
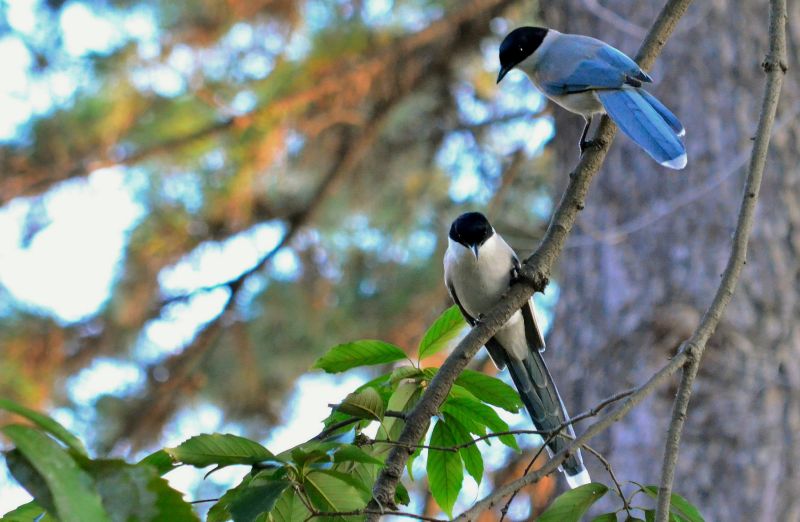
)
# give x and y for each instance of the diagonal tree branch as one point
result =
(535, 272)
(775, 68)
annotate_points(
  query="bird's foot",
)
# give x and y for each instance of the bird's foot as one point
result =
(585, 145)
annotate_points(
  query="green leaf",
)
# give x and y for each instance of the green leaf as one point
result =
(365, 404)
(307, 454)
(290, 508)
(254, 500)
(27, 513)
(220, 449)
(47, 424)
(30, 479)
(134, 492)
(571, 505)
(337, 416)
(606, 517)
(444, 329)
(404, 372)
(470, 412)
(359, 353)
(403, 399)
(445, 472)
(410, 462)
(401, 495)
(328, 492)
(678, 505)
(471, 455)
(71, 488)
(490, 390)
(160, 460)
(462, 410)
(349, 453)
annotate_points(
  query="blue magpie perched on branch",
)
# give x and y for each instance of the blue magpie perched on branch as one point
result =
(479, 267)
(588, 77)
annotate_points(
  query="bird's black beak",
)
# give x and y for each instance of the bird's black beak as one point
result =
(474, 249)
(503, 72)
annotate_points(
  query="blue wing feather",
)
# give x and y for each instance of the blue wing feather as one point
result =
(580, 63)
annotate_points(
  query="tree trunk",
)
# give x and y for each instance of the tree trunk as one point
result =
(648, 252)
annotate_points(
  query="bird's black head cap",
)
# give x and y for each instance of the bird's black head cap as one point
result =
(471, 229)
(518, 45)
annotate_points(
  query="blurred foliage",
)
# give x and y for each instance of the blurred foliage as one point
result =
(356, 129)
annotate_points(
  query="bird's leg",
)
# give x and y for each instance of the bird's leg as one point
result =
(584, 144)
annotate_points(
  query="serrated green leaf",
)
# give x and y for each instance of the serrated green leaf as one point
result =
(490, 390)
(365, 404)
(470, 412)
(254, 500)
(404, 372)
(47, 424)
(364, 489)
(470, 455)
(27, 513)
(72, 489)
(359, 353)
(220, 511)
(328, 492)
(403, 399)
(337, 416)
(444, 329)
(445, 471)
(461, 410)
(349, 453)
(571, 505)
(30, 479)
(135, 492)
(678, 506)
(429, 373)
(290, 508)
(221, 449)
(605, 517)
(160, 460)
(303, 456)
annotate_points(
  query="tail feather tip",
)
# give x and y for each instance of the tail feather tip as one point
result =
(676, 163)
(579, 479)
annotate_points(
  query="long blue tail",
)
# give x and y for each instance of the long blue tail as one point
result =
(647, 122)
(541, 399)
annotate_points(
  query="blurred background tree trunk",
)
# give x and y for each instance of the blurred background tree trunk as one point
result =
(649, 250)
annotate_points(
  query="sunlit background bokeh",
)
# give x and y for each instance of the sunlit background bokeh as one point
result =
(63, 252)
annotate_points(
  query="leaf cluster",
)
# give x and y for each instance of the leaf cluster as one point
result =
(329, 477)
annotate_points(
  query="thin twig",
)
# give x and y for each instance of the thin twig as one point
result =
(607, 465)
(599, 426)
(504, 509)
(775, 67)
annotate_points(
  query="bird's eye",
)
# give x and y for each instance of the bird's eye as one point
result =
(521, 49)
